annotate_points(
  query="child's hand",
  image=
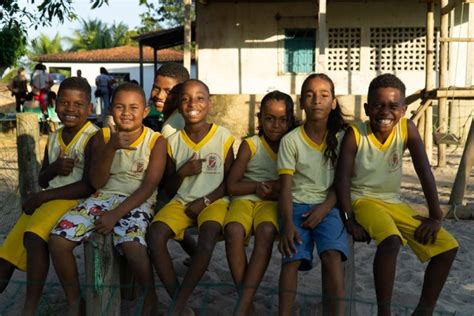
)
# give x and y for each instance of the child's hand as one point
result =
(106, 222)
(287, 241)
(33, 201)
(63, 166)
(119, 140)
(428, 230)
(191, 167)
(357, 231)
(314, 217)
(263, 190)
(194, 208)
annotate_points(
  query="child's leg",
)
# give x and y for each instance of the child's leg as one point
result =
(435, 275)
(158, 235)
(209, 232)
(36, 272)
(139, 263)
(385, 263)
(332, 275)
(188, 244)
(6, 272)
(235, 251)
(66, 269)
(262, 251)
(287, 287)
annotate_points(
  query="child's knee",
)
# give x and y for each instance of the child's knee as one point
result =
(390, 245)
(266, 230)
(58, 244)
(234, 232)
(158, 232)
(331, 257)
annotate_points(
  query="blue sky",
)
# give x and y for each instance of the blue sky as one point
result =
(126, 11)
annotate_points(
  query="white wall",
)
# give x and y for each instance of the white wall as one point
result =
(239, 42)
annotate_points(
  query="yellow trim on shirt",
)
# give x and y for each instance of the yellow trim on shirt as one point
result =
(267, 147)
(310, 142)
(106, 134)
(169, 150)
(65, 148)
(196, 147)
(286, 171)
(153, 140)
(140, 138)
(227, 145)
(404, 123)
(373, 139)
(252, 147)
(356, 134)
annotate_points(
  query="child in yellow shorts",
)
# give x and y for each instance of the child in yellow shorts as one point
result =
(64, 176)
(199, 157)
(369, 173)
(254, 186)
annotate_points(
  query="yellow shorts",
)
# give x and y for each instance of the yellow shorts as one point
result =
(250, 214)
(172, 214)
(40, 223)
(381, 220)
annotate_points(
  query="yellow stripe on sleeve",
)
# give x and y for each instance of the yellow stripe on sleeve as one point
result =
(252, 147)
(356, 134)
(153, 139)
(286, 171)
(169, 150)
(227, 145)
(106, 134)
(404, 126)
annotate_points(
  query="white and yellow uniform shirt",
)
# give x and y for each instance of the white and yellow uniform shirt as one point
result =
(175, 122)
(378, 167)
(129, 166)
(75, 150)
(262, 165)
(214, 148)
(303, 159)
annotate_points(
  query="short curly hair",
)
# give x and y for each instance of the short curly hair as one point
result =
(75, 83)
(385, 81)
(173, 70)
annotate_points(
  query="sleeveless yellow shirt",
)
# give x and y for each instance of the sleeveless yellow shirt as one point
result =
(214, 148)
(75, 150)
(377, 171)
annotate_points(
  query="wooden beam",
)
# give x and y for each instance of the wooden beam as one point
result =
(187, 35)
(421, 110)
(443, 79)
(455, 93)
(429, 80)
(457, 39)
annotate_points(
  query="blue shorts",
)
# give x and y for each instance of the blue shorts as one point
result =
(330, 234)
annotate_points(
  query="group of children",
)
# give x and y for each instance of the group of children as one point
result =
(280, 183)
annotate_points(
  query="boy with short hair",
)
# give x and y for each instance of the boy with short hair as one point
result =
(126, 174)
(369, 172)
(199, 158)
(163, 94)
(64, 175)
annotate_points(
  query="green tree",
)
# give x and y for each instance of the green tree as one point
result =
(44, 45)
(167, 12)
(14, 35)
(121, 35)
(93, 34)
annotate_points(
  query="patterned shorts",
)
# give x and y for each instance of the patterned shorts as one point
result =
(78, 223)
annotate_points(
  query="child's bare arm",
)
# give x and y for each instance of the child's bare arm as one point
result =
(195, 207)
(289, 234)
(153, 175)
(342, 183)
(174, 177)
(429, 228)
(61, 166)
(317, 213)
(76, 190)
(234, 182)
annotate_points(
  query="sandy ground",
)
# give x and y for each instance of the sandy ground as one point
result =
(216, 294)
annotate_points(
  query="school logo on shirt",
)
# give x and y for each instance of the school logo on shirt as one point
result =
(138, 166)
(213, 163)
(394, 161)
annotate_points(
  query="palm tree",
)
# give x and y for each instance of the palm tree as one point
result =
(43, 45)
(121, 35)
(93, 34)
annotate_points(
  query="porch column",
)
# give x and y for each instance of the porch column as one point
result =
(322, 39)
(141, 63)
(187, 35)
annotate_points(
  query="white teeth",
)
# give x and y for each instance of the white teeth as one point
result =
(69, 117)
(193, 113)
(385, 121)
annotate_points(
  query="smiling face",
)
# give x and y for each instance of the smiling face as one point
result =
(385, 110)
(73, 107)
(317, 99)
(162, 91)
(194, 102)
(128, 110)
(274, 120)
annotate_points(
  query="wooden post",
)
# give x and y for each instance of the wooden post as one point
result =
(27, 133)
(350, 280)
(102, 294)
(322, 38)
(187, 35)
(443, 76)
(422, 127)
(429, 79)
(464, 171)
